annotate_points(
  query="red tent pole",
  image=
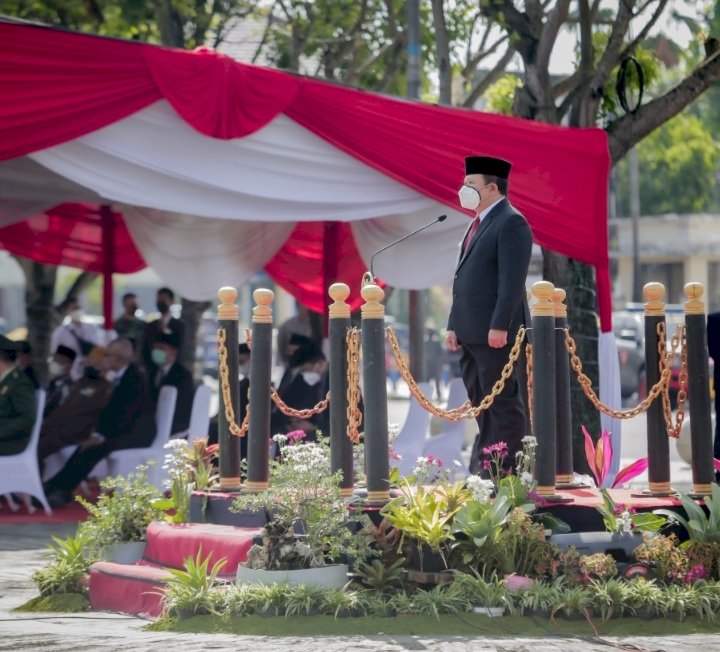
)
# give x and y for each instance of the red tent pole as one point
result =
(107, 218)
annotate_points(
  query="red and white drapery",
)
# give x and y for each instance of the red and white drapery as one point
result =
(221, 167)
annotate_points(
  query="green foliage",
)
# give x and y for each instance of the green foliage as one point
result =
(380, 577)
(702, 528)
(500, 97)
(599, 566)
(56, 603)
(621, 519)
(678, 164)
(122, 513)
(609, 597)
(193, 590)
(479, 523)
(669, 560)
(68, 566)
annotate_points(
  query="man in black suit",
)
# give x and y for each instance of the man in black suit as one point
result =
(18, 402)
(127, 421)
(713, 338)
(165, 324)
(171, 373)
(489, 302)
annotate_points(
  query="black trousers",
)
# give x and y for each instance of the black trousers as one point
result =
(78, 467)
(506, 420)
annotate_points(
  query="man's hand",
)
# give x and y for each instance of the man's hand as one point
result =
(497, 339)
(94, 440)
(451, 342)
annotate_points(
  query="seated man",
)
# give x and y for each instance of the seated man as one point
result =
(18, 403)
(74, 421)
(170, 372)
(127, 421)
(60, 380)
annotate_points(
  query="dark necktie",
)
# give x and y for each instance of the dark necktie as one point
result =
(471, 233)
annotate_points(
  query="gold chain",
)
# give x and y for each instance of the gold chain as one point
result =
(529, 373)
(586, 383)
(238, 431)
(353, 389)
(673, 429)
(300, 414)
(466, 410)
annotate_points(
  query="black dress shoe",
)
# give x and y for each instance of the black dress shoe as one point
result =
(58, 498)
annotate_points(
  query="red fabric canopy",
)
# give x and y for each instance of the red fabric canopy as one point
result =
(58, 86)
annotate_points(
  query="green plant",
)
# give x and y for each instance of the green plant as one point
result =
(304, 495)
(540, 598)
(623, 519)
(303, 599)
(599, 566)
(521, 548)
(700, 527)
(481, 592)
(339, 602)
(122, 513)
(680, 601)
(573, 600)
(441, 599)
(68, 567)
(401, 603)
(609, 597)
(645, 597)
(705, 553)
(376, 575)
(670, 560)
(193, 589)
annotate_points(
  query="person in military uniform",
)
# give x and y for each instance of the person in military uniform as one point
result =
(18, 403)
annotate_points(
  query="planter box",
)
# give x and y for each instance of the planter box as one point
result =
(490, 612)
(620, 546)
(126, 553)
(325, 576)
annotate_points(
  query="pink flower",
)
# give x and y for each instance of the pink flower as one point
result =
(486, 465)
(430, 459)
(514, 583)
(296, 435)
(696, 573)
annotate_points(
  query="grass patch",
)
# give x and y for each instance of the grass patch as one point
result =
(447, 624)
(56, 603)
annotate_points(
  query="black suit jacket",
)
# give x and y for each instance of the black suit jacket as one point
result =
(181, 379)
(128, 420)
(713, 339)
(489, 283)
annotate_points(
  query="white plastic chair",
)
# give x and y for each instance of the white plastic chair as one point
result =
(200, 415)
(19, 473)
(410, 441)
(126, 461)
(55, 462)
(449, 443)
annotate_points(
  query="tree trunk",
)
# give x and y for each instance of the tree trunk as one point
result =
(170, 24)
(442, 52)
(192, 316)
(41, 316)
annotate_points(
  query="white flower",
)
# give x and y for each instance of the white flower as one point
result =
(481, 489)
(529, 441)
(280, 439)
(526, 479)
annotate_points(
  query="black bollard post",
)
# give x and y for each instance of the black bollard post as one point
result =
(701, 434)
(258, 459)
(658, 445)
(377, 460)
(544, 400)
(341, 448)
(564, 448)
(228, 444)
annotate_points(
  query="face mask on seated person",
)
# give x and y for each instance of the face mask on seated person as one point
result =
(159, 357)
(311, 377)
(56, 369)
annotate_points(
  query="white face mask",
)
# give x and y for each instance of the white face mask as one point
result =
(311, 377)
(77, 315)
(244, 369)
(470, 197)
(56, 369)
(110, 375)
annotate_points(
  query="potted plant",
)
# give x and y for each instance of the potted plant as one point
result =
(67, 569)
(540, 598)
(192, 591)
(117, 522)
(311, 533)
(645, 599)
(609, 598)
(488, 597)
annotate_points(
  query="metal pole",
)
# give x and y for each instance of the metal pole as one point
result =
(258, 460)
(635, 214)
(564, 452)
(229, 445)
(701, 433)
(377, 459)
(657, 440)
(341, 449)
(544, 399)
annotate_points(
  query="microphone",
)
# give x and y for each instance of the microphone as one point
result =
(442, 218)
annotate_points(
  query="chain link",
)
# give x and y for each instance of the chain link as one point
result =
(466, 410)
(529, 373)
(586, 383)
(679, 339)
(353, 390)
(300, 414)
(238, 431)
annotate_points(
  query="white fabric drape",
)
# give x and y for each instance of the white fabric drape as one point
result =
(609, 371)
(280, 173)
(420, 261)
(199, 255)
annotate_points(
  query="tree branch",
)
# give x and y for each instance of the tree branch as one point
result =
(611, 55)
(645, 30)
(473, 62)
(489, 79)
(630, 129)
(513, 21)
(548, 36)
(266, 33)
